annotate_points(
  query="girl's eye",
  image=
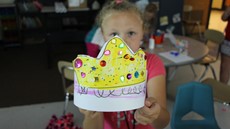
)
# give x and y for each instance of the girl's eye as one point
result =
(113, 34)
(131, 33)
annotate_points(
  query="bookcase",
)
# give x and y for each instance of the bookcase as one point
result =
(9, 25)
(63, 33)
(30, 22)
(37, 23)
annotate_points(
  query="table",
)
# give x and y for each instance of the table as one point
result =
(196, 49)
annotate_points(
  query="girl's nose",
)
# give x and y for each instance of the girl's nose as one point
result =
(123, 37)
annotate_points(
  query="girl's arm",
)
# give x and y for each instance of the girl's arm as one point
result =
(226, 14)
(155, 110)
(92, 120)
(156, 88)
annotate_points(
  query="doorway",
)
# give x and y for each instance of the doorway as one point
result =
(200, 13)
(218, 7)
(215, 21)
(218, 4)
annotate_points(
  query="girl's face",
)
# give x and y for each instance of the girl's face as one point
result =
(126, 25)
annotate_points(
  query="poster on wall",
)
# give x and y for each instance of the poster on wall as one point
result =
(176, 18)
(164, 21)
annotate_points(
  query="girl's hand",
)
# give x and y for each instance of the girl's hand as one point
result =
(92, 119)
(89, 114)
(148, 113)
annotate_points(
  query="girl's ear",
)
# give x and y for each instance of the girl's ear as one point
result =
(102, 32)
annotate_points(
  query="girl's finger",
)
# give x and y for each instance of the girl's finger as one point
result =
(141, 119)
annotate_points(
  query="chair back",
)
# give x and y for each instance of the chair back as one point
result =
(187, 9)
(220, 90)
(214, 36)
(192, 21)
(194, 97)
(189, 14)
(66, 69)
(213, 40)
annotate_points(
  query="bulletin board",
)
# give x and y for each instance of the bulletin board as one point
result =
(169, 14)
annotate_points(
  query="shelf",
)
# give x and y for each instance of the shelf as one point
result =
(9, 25)
(51, 9)
(7, 5)
(27, 7)
(30, 22)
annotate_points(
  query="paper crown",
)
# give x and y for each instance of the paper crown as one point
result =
(116, 66)
(117, 76)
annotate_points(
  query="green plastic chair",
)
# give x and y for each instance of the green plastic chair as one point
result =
(214, 39)
(194, 98)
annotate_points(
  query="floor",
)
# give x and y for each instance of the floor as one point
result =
(37, 116)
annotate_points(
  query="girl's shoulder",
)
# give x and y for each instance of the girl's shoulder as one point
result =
(152, 57)
(154, 65)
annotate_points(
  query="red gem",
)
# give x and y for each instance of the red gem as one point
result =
(132, 59)
(145, 57)
(103, 63)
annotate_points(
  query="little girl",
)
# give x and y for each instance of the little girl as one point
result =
(122, 18)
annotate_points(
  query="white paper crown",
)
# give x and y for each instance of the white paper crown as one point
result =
(117, 75)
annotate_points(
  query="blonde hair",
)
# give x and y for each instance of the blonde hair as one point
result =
(112, 6)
